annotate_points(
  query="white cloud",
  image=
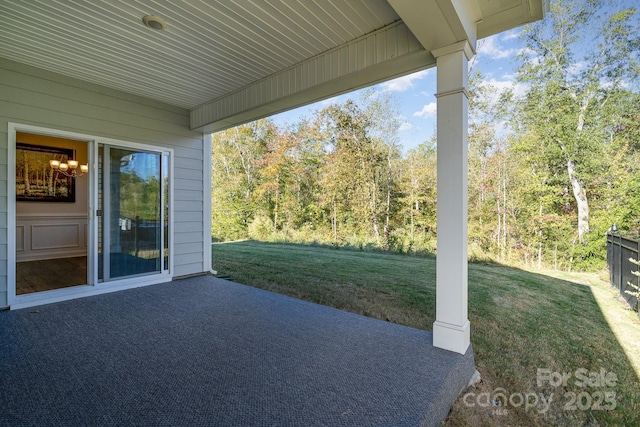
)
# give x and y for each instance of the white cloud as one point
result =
(530, 56)
(608, 84)
(520, 89)
(490, 46)
(405, 126)
(429, 110)
(500, 86)
(404, 83)
(527, 52)
(576, 68)
(509, 82)
(510, 35)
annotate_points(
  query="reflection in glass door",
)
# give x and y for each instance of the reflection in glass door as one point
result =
(132, 202)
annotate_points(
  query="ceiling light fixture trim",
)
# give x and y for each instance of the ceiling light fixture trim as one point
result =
(154, 22)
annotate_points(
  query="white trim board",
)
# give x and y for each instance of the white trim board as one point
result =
(64, 294)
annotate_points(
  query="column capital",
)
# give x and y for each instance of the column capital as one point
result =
(463, 46)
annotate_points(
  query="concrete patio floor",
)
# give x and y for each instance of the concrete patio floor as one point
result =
(205, 351)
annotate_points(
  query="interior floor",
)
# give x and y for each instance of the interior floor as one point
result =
(46, 275)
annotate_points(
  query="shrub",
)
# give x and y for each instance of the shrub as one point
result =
(260, 228)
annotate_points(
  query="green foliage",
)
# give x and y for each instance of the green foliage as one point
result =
(570, 122)
(549, 171)
(261, 228)
(234, 178)
(139, 197)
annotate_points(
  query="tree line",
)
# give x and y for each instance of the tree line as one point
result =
(550, 169)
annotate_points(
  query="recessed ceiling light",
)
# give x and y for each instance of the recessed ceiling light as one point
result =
(154, 22)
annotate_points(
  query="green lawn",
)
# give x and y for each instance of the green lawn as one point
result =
(521, 321)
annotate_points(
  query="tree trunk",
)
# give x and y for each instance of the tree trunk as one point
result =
(374, 208)
(582, 203)
(388, 207)
(498, 214)
(275, 211)
(540, 235)
(335, 221)
(376, 231)
(499, 227)
(578, 190)
(504, 209)
(412, 220)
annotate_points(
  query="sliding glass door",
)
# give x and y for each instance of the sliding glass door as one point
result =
(115, 230)
(133, 235)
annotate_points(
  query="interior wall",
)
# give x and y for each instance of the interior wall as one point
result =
(50, 230)
(79, 207)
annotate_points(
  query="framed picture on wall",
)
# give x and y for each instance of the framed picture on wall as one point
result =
(36, 180)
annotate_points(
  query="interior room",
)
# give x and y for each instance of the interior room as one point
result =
(51, 213)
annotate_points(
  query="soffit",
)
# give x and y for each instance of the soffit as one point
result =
(502, 15)
(207, 50)
(232, 61)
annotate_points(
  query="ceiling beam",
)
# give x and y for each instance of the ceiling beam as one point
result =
(390, 52)
(439, 23)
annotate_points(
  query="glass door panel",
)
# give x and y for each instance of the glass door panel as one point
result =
(132, 227)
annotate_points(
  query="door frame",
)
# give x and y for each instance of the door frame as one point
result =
(106, 211)
(93, 288)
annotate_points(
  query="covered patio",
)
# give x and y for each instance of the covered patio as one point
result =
(205, 351)
(154, 79)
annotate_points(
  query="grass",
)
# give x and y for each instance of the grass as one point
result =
(521, 321)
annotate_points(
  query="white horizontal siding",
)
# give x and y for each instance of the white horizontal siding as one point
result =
(188, 184)
(34, 87)
(187, 237)
(189, 227)
(190, 217)
(35, 97)
(187, 173)
(189, 195)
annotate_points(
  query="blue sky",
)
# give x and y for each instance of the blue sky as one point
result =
(414, 93)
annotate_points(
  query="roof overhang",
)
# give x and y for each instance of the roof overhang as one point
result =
(395, 50)
(236, 61)
(389, 52)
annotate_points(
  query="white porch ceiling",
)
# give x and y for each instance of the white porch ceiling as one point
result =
(230, 61)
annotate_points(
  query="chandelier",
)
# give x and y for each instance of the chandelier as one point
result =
(69, 168)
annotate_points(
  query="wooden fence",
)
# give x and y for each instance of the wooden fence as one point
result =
(620, 249)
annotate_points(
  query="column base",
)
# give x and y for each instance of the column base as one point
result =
(452, 337)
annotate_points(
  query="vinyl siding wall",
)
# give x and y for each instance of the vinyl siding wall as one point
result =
(30, 96)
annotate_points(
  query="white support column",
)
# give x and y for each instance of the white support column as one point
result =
(451, 329)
